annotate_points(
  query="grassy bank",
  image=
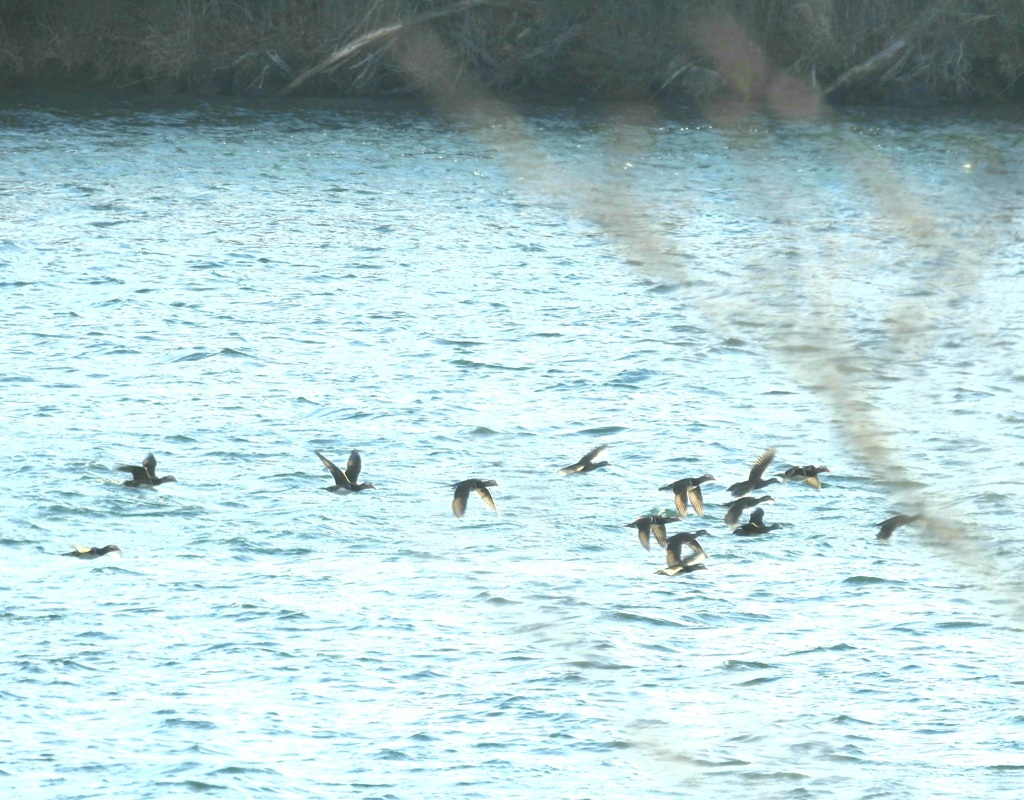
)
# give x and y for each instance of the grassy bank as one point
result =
(904, 50)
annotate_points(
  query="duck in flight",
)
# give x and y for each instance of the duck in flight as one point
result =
(688, 490)
(885, 529)
(346, 480)
(146, 474)
(462, 490)
(737, 507)
(808, 474)
(645, 526)
(587, 463)
(676, 562)
(94, 552)
(755, 480)
(755, 525)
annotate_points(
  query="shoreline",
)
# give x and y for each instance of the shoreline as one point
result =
(770, 53)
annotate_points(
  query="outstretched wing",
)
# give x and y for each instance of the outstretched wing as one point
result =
(486, 497)
(696, 500)
(461, 496)
(680, 498)
(140, 474)
(352, 469)
(644, 532)
(339, 477)
(736, 508)
(761, 464)
(658, 529)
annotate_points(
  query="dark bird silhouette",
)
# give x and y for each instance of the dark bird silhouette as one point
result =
(94, 552)
(674, 558)
(587, 463)
(346, 480)
(755, 525)
(146, 474)
(808, 474)
(755, 481)
(885, 529)
(737, 507)
(645, 526)
(688, 489)
(462, 490)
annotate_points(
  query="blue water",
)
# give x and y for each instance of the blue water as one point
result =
(233, 288)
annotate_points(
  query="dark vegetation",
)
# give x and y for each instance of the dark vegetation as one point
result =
(849, 50)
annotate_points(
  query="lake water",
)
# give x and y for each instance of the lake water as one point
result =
(235, 286)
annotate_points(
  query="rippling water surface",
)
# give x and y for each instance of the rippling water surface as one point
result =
(233, 288)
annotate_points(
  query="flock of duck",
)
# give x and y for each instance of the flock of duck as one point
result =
(686, 494)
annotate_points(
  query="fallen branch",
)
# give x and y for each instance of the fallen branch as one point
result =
(880, 63)
(386, 32)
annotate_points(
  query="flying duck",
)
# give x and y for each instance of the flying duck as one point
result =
(587, 463)
(755, 525)
(347, 480)
(737, 507)
(146, 474)
(94, 552)
(674, 554)
(809, 474)
(688, 489)
(755, 481)
(462, 490)
(645, 526)
(886, 528)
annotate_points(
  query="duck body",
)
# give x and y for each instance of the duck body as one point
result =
(645, 526)
(146, 474)
(755, 480)
(885, 529)
(686, 493)
(346, 480)
(94, 552)
(676, 562)
(462, 490)
(755, 526)
(587, 463)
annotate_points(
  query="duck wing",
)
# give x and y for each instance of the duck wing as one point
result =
(486, 497)
(643, 530)
(761, 465)
(461, 497)
(658, 529)
(339, 477)
(696, 499)
(679, 495)
(674, 550)
(149, 464)
(353, 468)
(736, 509)
(140, 474)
